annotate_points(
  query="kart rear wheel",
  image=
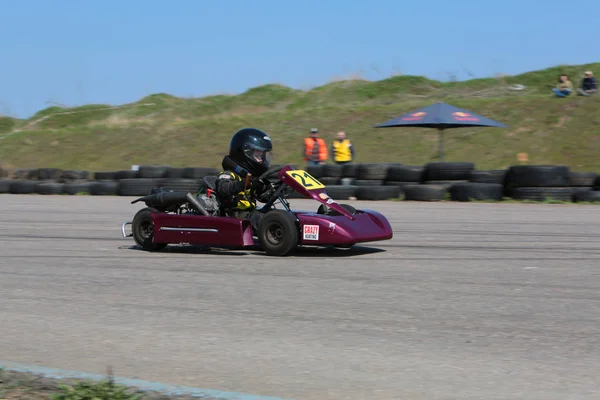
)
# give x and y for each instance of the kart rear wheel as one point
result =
(142, 228)
(278, 233)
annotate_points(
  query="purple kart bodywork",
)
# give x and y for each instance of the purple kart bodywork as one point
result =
(316, 229)
(345, 229)
(339, 230)
(202, 230)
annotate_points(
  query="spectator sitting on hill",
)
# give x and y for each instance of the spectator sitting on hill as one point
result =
(589, 84)
(564, 87)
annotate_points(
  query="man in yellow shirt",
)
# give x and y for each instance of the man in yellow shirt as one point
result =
(342, 149)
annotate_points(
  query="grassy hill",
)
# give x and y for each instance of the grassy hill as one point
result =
(162, 129)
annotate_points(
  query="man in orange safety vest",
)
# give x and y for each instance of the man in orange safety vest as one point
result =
(315, 148)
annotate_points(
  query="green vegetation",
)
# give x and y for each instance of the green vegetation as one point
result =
(28, 386)
(162, 129)
(89, 390)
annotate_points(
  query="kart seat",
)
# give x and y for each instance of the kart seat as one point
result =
(210, 182)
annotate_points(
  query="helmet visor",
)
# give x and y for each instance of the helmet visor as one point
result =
(259, 155)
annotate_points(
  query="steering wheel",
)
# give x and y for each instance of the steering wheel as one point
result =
(273, 169)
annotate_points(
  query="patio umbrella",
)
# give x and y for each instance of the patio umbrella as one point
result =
(440, 116)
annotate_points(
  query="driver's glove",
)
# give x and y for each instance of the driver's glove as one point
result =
(266, 194)
(257, 186)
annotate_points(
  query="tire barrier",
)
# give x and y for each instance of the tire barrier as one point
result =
(435, 181)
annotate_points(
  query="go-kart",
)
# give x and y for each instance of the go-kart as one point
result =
(180, 217)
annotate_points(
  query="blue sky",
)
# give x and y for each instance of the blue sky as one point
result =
(114, 52)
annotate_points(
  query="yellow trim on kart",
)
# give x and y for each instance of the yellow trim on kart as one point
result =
(305, 179)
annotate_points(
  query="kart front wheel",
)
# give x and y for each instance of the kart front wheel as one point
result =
(142, 228)
(278, 233)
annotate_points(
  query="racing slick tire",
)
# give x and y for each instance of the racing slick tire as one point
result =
(142, 228)
(278, 233)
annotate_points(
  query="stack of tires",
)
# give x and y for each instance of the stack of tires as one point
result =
(586, 187)
(140, 182)
(45, 181)
(360, 181)
(150, 176)
(457, 181)
(48, 181)
(403, 176)
(483, 186)
(437, 181)
(370, 182)
(539, 183)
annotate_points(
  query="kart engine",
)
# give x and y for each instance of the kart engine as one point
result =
(210, 203)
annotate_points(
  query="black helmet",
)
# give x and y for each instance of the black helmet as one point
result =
(252, 150)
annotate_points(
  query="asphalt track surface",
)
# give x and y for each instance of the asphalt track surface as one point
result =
(467, 301)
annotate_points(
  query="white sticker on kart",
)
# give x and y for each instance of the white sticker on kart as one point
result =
(310, 232)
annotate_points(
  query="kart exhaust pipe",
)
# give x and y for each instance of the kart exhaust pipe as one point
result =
(190, 197)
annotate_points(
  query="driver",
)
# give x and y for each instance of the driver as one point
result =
(250, 151)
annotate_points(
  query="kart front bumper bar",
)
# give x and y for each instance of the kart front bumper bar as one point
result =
(125, 235)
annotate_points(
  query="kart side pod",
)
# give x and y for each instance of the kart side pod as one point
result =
(201, 230)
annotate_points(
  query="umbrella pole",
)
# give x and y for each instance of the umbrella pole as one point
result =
(441, 144)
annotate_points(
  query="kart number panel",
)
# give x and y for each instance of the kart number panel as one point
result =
(306, 180)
